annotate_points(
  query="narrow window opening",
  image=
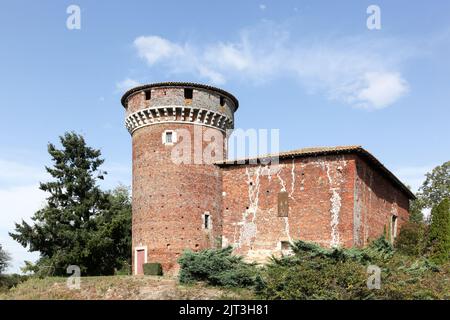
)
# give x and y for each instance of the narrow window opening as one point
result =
(206, 221)
(393, 227)
(222, 101)
(169, 137)
(188, 93)
(148, 94)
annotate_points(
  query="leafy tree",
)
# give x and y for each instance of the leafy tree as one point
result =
(439, 234)
(436, 186)
(416, 206)
(80, 224)
(4, 259)
(111, 243)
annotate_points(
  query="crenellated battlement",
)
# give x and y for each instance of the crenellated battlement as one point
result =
(179, 102)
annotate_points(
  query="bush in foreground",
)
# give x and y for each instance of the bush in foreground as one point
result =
(218, 267)
(153, 269)
(412, 239)
(314, 272)
(8, 281)
(439, 236)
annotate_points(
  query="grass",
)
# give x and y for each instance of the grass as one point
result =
(119, 288)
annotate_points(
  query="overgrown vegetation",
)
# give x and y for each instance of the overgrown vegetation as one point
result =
(153, 269)
(439, 235)
(318, 273)
(8, 281)
(314, 272)
(80, 224)
(412, 240)
(217, 267)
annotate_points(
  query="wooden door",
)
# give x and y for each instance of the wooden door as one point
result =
(140, 260)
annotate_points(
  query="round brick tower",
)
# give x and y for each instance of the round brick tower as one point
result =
(178, 131)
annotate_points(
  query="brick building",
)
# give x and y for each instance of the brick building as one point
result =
(334, 196)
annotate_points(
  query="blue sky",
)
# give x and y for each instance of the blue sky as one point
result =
(309, 68)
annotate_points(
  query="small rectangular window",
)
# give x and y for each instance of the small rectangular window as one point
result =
(148, 94)
(169, 136)
(206, 221)
(283, 204)
(222, 101)
(188, 93)
(393, 227)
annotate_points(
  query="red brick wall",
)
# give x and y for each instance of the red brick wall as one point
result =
(318, 187)
(377, 199)
(169, 199)
(359, 196)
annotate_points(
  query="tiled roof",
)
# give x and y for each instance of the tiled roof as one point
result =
(322, 151)
(177, 84)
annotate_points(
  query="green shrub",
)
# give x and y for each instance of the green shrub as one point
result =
(379, 250)
(153, 269)
(439, 235)
(218, 267)
(314, 272)
(411, 240)
(7, 281)
(125, 269)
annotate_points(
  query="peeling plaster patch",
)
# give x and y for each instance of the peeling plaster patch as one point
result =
(283, 189)
(248, 229)
(248, 232)
(335, 200)
(253, 191)
(335, 209)
(269, 170)
(286, 228)
(357, 212)
(283, 184)
(224, 242)
(292, 180)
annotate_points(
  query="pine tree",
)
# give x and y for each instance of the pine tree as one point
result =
(66, 231)
(439, 233)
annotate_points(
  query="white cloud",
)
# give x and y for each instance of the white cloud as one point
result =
(126, 84)
(154, 49)
(381, 89)
(262, 6)
(353, 71)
